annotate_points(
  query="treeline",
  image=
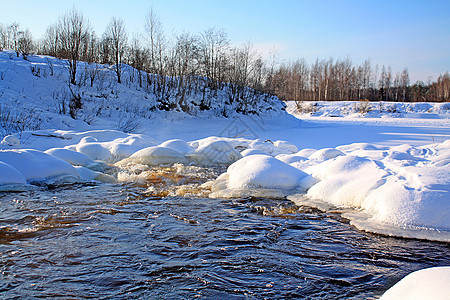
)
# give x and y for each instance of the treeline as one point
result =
(207, 63)
(330, 80)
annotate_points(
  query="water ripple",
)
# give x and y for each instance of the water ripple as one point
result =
(115, 241)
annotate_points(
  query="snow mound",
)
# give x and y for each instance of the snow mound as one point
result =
(36, 166)
(325, 154)
(177, 145)
(403, 192)
(10, 141)
(285, 147)
(344, 181)
(432, 283)
(215, 152)
(121, 150)
(417, 198)
(10, 175)
(72, 157)
(306, 152)
(153, 156)
(290, 158)
(256, 174)
(89, 175)
(94, 150)
(265, 147)
(248, 152)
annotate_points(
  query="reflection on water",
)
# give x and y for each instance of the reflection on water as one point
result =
(116, 241)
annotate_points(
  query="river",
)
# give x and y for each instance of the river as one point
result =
(108, 241)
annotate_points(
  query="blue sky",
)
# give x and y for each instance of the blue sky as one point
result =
(413, 34)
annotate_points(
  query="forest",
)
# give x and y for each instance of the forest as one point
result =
(177, 66)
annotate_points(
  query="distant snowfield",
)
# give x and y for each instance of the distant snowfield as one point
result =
(387, 170)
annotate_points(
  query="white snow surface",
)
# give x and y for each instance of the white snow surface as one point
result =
(256, 174)
(36, 165)
(431, 283)
(10, 175)
(387, 170)
(154, 156)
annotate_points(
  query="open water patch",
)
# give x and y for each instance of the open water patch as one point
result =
(117, 241)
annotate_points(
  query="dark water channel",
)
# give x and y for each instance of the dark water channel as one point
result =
(110, 241)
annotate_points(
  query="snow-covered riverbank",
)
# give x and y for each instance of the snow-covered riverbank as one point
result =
(385, 165)
(399, 190)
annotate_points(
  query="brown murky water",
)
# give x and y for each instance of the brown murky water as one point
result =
(121, 241)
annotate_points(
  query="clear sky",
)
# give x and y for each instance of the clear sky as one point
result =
(400, 33)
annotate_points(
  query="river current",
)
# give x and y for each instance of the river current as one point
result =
(106, 241)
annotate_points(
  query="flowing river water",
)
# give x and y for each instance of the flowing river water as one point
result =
(120, 241)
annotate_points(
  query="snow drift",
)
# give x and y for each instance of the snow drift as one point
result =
(429, 283)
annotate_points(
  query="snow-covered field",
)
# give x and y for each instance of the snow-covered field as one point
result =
(385, 166)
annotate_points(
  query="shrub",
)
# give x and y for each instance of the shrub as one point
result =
(18, 120)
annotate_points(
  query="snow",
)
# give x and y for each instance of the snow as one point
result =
(94, 150)
(254, 173)
(431, 283)
(35, 165)
(285, 147)
(325, 154)
(382, 109)
(213, 152)
(405, 194)
(90, 175)
(11, 141)
(72, 157)
(248, 152)
(10, 175)
(386, 170)
(178, 145)
(154, 156)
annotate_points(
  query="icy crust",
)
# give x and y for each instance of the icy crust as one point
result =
(429, 283)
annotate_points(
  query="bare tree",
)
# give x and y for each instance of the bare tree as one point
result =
(3, 37)
(367, 77)
(13, 34)
(443, 87)
(186, 58)
(213, 45)
(157, 55)
(25, 43)
(404, 84)
(73, 31)
(137, 56)
(159, 60)
(105, 50)
(51, 41)
(155, 40)
(117, 35)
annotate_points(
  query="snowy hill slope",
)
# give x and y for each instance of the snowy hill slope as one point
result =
(35, 94)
